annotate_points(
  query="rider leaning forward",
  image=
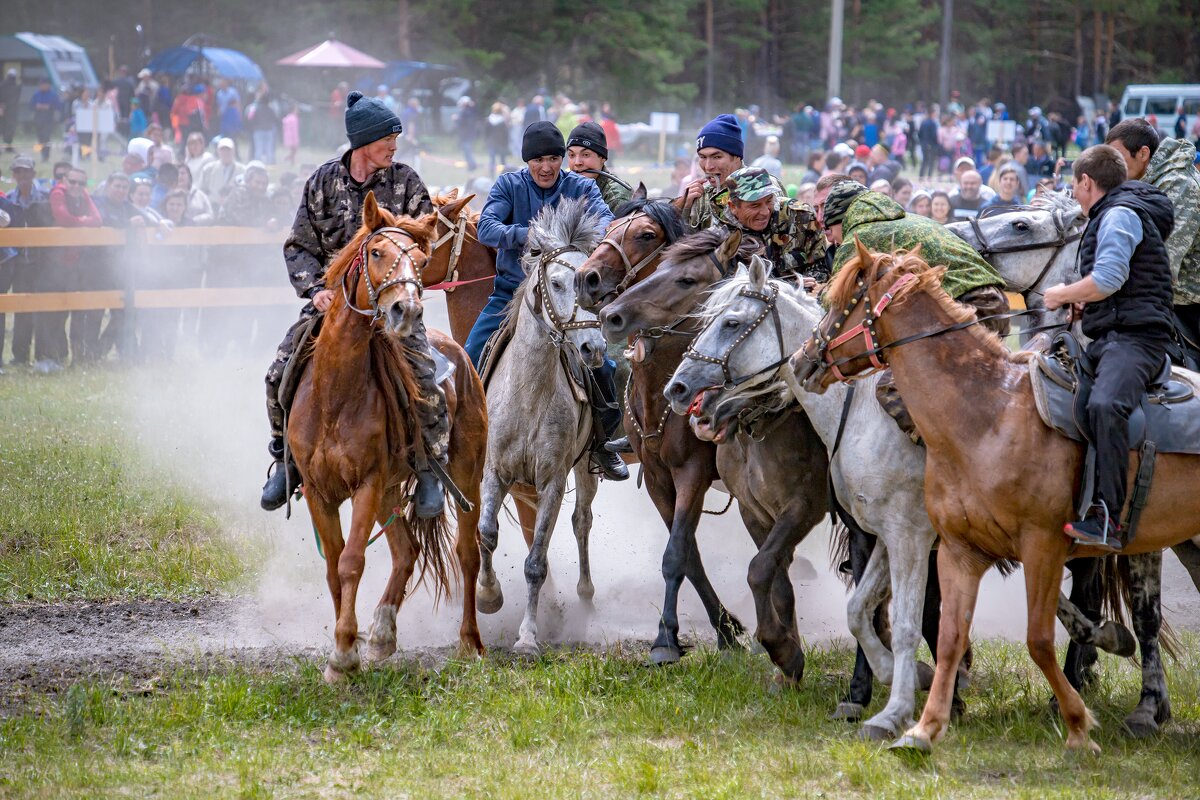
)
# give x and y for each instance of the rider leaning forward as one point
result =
(515, 199)
(848, 211)
(327, 220)
(719, 149)
(1125, 300)
(587, 155)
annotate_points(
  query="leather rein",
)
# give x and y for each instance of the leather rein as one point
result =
(360, 266)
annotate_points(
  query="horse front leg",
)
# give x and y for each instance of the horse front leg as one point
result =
(490, 598)
(1145, 589)
(350, 563)
(908, 555)
(328, 525)
(381, 637)
(862, 680)
(466, 545)
(870, 594)
(536, 565)
(586, 485)
(774, 598)
(959, 573)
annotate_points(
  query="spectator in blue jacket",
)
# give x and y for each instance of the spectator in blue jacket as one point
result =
(46, 105)
(515, 199)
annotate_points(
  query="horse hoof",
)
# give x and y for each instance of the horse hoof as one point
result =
(333, 675)
(661, 656)
(585, 591)
(847, 710)
(1120, 640)
(781, 683)
(911, 746)
(377, 652)
(1141, 725)
(527, 649)
(874, 733)
(925, 675)
(488, 601)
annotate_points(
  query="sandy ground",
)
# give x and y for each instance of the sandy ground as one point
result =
(288, 613)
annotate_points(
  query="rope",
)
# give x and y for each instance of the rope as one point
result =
(382, 530)
(722, 511)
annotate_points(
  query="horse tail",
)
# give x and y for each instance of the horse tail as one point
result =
(1116, 591)
(435, 540)
(839, 551)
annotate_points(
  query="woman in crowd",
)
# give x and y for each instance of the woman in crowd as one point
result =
(497, 137)
(902, 191)
(140, 195)
(1009, 189)
(940, 209)
(197, 156)
(919, 204)
(199, 208)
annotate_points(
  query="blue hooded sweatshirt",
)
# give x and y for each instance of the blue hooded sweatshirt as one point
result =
(513, 202)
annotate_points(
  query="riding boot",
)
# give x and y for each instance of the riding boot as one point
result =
(430, 498)
(434, 421)
(620, 445)
(892, 403)
(279, 478)
(607, 411)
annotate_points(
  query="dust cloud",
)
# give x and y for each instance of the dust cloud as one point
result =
(202, 423)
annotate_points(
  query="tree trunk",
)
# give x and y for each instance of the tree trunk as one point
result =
(1078, 49)
(1110, 36)
(1097, 51)
(403, 41)
(710, 57)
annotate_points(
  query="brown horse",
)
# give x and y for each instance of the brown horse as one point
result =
(999, 483)
(457, 256)
(678, 467)
(353, 435)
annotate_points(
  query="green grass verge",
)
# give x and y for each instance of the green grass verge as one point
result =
(578, 725)
(78, 517)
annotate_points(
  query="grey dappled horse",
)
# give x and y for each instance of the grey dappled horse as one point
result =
(539, 422)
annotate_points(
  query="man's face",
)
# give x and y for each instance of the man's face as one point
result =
(175, 208)
(581, 158)
(1009, 184)
(76, 182)
(717, 164)
(132, 164)
(23, 177)
(968, 185)
(1135, 163)
(819, 204)
(833, 233)
(1086, 192)
(379, 152)
(753, 214)
(141, 195)
(257, 183)
(117, 190)
(545, 169)
(1021, 155)
(876, 157)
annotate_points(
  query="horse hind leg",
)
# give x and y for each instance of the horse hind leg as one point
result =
(586, 486)
(381, 637)
(536, 564)
(774, 598)
(489, 597)
(466, 546)
(1145, 587)
(862, 680)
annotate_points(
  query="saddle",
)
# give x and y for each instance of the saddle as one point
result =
(1168, 416)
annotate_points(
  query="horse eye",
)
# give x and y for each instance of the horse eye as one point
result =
(647, 235)
(374, 254)
(733, 323)
(557, 285)
(686, 281)
(1021, 225)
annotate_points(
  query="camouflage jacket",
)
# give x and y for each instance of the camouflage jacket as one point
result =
(330, 214)
(707, 209)
(882, 226)
(1171, 170)
(793, 241)
(615, 195)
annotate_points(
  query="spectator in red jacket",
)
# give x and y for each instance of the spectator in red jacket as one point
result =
(72, 269)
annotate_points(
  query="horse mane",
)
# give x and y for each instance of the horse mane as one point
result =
(1050, 201)
(665, 215)
(858, 270)
(704, 242)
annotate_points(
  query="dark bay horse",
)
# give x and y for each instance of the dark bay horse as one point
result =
(999, 483)
(457, 256)
(353, 435)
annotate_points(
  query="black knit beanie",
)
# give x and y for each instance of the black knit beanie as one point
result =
(542, 139)
(368, 120)
(591, 136)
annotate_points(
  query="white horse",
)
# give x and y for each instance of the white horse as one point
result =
(878, 473)
(539, 420)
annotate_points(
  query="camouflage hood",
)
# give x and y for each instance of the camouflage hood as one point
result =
(1172, 155)
(870, 207)
(1171, 169)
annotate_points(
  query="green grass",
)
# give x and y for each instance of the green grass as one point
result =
(577, 725)
(78, 517)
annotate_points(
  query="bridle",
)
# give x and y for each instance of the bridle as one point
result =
(631, 269)
(456, 232)
(1062, 238)
(556, 326)
(768, 298)
(361, 266)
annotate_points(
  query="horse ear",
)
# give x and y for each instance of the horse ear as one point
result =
(452, 208)
(640, 192)
(759, 268)
(372, 219)
(450, 196)
(728, 248)
(864, 255)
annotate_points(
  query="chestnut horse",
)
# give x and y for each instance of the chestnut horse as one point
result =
(457, 257)
(999, 483)
(353, 434)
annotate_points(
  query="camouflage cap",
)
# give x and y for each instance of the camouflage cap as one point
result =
(749, 184)
(838, 201)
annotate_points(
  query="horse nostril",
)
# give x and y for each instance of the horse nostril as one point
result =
(614, 321)
(591, 280)
(676, 389)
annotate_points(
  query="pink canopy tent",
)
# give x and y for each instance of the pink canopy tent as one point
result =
(331, 53)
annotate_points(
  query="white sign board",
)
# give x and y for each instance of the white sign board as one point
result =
(664, 122)
(105, 121)
(1001, 130)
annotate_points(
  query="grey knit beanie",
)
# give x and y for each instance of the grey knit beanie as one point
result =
(368, 120)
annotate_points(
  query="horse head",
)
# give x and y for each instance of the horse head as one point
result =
(689, 268)
(733, 362)
(630, 251)
(391, 256)
(452, 226)
(844, 343)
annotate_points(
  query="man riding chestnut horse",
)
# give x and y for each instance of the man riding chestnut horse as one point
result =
(328, 218)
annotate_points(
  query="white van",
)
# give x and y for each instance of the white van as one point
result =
(1162, 101)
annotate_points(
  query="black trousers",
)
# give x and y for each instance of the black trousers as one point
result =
(929, 160)
(1124, 363)
(610, 411)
